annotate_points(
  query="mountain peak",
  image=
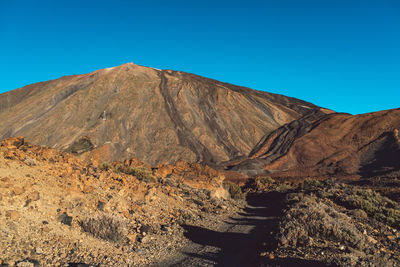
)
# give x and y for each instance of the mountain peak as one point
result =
(153, 115)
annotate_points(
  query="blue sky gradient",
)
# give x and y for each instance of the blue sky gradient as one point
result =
(339, 54)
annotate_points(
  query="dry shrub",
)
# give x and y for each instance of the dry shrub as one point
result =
(265, 180)
(264, 183)
(311, 184)
(30, 161)
(379, 207)
(234, 191)
(267, 183)
(121, 168)
(308, 219)
(108, 227)
(141, 173)
(104, 167)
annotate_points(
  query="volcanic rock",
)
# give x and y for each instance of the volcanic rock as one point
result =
(157, 116)
(13, 215)
(340, 145)
(56, 215)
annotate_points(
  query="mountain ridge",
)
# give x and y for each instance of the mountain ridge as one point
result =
(338, 144)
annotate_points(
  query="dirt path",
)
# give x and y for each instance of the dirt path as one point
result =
(238, 241)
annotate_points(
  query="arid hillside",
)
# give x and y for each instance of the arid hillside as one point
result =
(58, 210)
(157, 116)
(340, 145)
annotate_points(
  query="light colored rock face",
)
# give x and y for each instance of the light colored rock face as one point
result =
(155, 116)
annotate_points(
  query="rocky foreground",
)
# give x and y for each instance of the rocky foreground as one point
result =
(330, 223)
(57, 210)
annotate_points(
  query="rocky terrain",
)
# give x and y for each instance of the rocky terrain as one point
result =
(329, 223)
(56, 210)
(157, 116)
(335, 145)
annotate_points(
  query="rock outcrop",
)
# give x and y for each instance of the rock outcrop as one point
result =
(59, 210)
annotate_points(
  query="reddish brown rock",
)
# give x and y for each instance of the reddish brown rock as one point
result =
(54, 224)
(132, 237)
(87, 189)
(46, 229)
(13, 215)
(13, 143)
(5, 179)
(33, 196)
(18, 191)
(340, 145)
(9, 154)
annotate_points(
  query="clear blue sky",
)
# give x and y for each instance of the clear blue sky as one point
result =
(343, 55)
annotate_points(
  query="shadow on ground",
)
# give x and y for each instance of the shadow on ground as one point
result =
(251, 233)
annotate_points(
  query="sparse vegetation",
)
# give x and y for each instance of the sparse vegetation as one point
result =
(105, 166)
(121, 168)
(311, 184)
(234, 191)
(379, 207)
(264, 183)
(144, 175)
(283, 187)
(309, 219)
(106, 227)
(268, 183)
(329, 217)
(362, 201)
(265, 180)
(141, 173)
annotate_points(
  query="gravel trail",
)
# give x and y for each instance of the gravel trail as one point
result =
(237, 242)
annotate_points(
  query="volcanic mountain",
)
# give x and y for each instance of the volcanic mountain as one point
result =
(339, 145)
(157, 116)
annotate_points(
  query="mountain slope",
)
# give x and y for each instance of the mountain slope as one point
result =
(158, 116)
(337, 144)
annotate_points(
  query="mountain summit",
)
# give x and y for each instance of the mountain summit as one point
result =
(157, 116)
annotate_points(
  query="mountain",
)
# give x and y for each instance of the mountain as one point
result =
(157, 116)
(336, 144)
